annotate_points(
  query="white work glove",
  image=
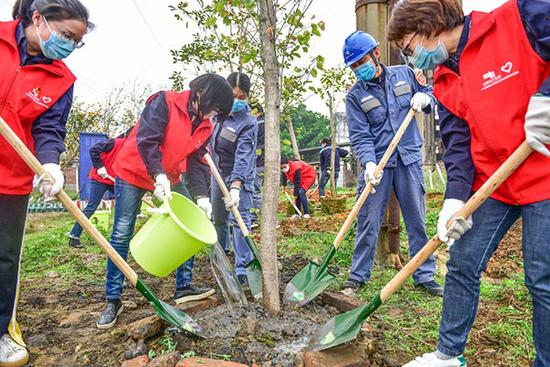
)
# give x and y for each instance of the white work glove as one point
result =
(102, 172)
(205, 205)
(370, 168)
(43, 183)
(537, 124)
(458, 227)
(235, 197)
(162, 187)
(420, 101)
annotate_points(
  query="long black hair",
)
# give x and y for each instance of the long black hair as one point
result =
(55, 10)
(213, 93)
(240, 80)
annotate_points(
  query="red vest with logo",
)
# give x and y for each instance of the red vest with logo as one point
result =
(26, 92)
(499, 72)
(308, 173)
(108, 159)
(179, 143)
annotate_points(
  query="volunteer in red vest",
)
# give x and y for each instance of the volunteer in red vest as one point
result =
(489, 67)
(103, 156)
(302, 176)
(36, 92)
(174, 127)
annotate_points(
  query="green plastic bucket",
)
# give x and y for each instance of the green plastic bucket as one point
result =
(101, 219)
(169, 239)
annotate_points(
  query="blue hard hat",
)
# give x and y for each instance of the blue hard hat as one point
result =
(357, 45)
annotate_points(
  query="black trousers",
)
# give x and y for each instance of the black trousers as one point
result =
(13, 213)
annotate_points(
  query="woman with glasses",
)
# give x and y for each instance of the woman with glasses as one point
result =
(488, 69)
(36, 93)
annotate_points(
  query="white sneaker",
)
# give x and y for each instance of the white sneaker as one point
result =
(431, 360)
(295, 216)
(306, 216)
(11, 353)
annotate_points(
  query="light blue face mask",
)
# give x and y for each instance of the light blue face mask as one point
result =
(425, 60)
(366, 71)
(239, 105)
(56, 47)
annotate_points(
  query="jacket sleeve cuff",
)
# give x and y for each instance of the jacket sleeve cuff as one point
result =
(48, 156)
(456, 190)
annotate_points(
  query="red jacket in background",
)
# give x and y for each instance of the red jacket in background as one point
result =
(308, 173)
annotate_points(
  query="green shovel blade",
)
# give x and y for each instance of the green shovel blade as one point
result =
(169, 313)
(344, 327)
(254, 270)
(310, 281)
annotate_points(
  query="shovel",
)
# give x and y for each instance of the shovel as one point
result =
(164, 311)
(314, 278)
(346, 326)
(292, 202)
(254, 268)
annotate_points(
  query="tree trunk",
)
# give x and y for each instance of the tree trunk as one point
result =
(332, 147)
(272, 157)
(293, 140)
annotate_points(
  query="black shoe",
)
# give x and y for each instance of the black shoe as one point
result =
(192, 293)
(107, 318)
(351, 284)
(243, 280)
(75, 242)
(432, 288)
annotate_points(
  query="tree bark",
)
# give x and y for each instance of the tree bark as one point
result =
(272, 157)
(332, 147)
(293, 140)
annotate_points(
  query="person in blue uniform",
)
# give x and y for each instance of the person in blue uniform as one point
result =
(233, 148)
(375, 107)
(324, 162)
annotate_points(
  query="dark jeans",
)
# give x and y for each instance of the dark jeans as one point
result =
(301, 200)
(468, 258)
(325, 178)
(257, 197)
(13, 213)
(128, 204)
(97, 191)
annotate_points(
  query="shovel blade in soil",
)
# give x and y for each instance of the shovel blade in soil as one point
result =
(308, 284)
(344, 327)
(169, 313)
(254, 276)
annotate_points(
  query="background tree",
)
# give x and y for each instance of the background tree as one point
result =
(310, 127)
(229, 40)
(335, 82)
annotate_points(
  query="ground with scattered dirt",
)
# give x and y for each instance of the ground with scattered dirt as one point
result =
(58, 311)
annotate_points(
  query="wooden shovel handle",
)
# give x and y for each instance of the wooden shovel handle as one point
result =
(35, 165)
(368, 188)
(496, 179)
(292, 202)
(226, 195)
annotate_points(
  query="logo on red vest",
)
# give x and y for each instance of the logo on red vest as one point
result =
(491, 78)
(34, 95)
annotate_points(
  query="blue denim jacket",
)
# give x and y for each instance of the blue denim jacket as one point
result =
(233, 147)
(374, 115)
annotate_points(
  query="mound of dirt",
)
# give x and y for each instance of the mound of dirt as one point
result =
(508, 258)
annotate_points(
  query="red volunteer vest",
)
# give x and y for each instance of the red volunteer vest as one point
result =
(108, 159)
(308, 173)
(179, 143)
(26, 92)
(499, 72)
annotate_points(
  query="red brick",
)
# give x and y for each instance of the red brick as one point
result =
(342, 356)
(140, 361)
(340, 301)
(200, 305)
(207, 362)
(145, 328)
(165, 360)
